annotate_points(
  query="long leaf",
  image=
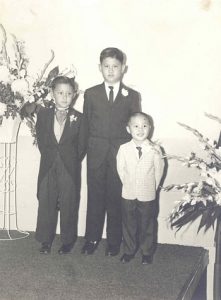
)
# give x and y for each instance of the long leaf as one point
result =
(52, 74)
(188, 217)
(213, 117)
(206, 216)
(210, 222)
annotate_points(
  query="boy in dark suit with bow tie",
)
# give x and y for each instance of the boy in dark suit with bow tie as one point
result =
(57, 136)
(107, 107)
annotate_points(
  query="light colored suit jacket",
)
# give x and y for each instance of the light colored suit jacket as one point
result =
(140, 176)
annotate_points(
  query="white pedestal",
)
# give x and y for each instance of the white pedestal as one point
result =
(8, 202)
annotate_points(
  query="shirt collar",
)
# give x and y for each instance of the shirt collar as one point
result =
(61, 109)
(144, 145)
(116, 87)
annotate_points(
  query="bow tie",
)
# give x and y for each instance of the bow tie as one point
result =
(61, 115)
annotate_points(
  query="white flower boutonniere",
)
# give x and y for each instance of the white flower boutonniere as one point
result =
(73, 118)
(124, 92)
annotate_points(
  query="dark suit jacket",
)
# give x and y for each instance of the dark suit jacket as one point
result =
(103, 126)
(48, 145)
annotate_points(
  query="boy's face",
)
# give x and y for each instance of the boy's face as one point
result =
(112, 70)
(63, 95)
(139, 128)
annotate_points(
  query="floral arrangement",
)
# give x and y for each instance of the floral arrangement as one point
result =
(202, 198)
(18, 88)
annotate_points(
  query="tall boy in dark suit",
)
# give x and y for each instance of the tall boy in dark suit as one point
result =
(107, 107)
(57, 136)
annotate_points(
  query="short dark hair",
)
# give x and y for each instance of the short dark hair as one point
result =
(114, 53)
(141, 114)
(63, 80)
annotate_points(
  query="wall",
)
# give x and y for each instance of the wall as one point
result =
(173, 50)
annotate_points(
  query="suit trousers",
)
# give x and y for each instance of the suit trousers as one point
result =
(57, 191)
(104, 196)
(139, 220)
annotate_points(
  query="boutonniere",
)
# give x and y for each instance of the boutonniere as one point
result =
(124, 92)
(73, 118)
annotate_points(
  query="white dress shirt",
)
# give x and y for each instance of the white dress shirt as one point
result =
(58, 129)
(140, 176)
(115, 86)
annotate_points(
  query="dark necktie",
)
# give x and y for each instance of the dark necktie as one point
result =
(139, 151)
(111, 95)
(61, 116)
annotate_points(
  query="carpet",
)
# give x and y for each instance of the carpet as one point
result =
(27, 275)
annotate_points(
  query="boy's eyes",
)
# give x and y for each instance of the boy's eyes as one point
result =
(144, 126)
(115, 66)
(61, 93)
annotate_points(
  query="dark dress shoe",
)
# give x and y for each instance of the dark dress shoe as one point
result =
(126, 258)
(65, 249)
(112, 251)
(89, 247)
(45, 248)
(147, 259)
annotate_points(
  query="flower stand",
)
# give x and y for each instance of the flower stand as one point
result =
(8, 161)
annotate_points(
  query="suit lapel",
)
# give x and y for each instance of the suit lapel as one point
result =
(51, 124)
(119, 96)
(103, 93)
(67, 125)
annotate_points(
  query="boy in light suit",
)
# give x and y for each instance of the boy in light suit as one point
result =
(58, 180)
(107, 107)
(140, 167)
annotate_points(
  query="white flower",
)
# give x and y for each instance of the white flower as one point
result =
(186, 198)
(23, 73)
(3, 108)
(29, 98)
(18, 102)
(20, 86)
(49, 97)
(202, 166)
(73, 118)
(124, 92)
(4, 74)
(217, 176)
(209, 198)
(210, 181)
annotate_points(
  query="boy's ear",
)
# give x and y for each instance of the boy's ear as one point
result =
(99, 66)
(124, 68)
(128, 129)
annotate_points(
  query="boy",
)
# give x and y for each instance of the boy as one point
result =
(57, 136)
(107, 107)
(140, 167)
